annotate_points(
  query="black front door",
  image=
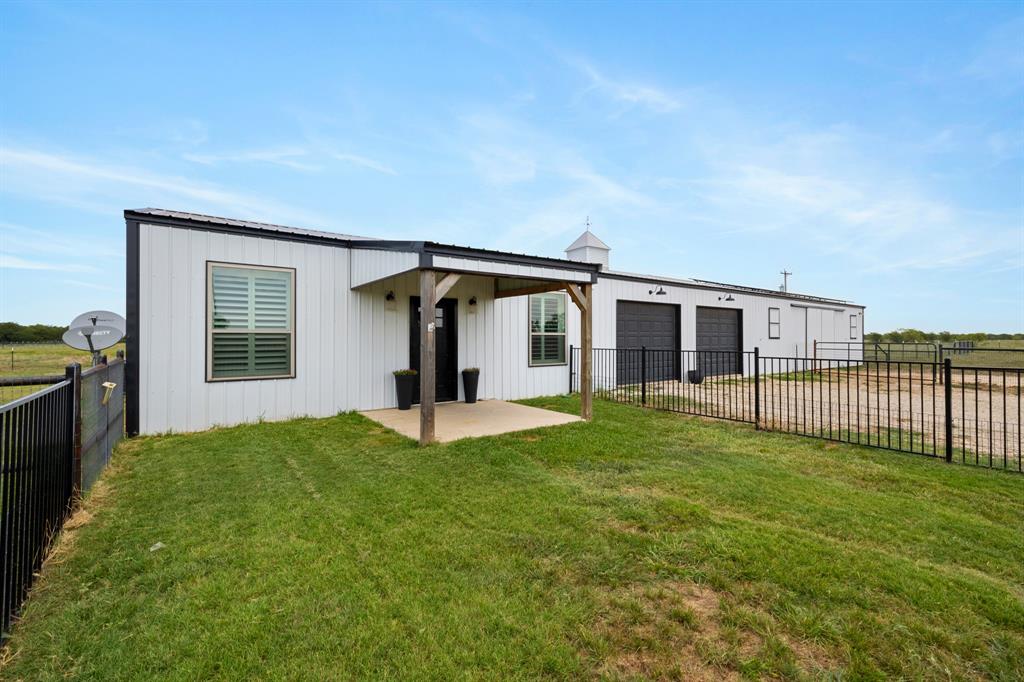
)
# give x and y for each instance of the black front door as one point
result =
(446, 346)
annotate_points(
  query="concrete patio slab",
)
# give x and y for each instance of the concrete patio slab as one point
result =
(459, 420)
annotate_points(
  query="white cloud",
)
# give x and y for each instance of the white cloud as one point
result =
(365, 162)
(502, 165)
(284, 156)
(629, 93)
(1000, 58)
(21, 240)
(823, 190)
(10, 261)
(109, 188)
(92, 285)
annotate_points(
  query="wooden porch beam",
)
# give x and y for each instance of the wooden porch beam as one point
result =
(445, 284)
(428, 300)
(576, 295)
(525, 291)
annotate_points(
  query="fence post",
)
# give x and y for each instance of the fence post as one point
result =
(757, 388)
(571, 350)
(643, 375)
(947, 372)
(73, 373)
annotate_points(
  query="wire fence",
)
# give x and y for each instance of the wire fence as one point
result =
(966, 414)
(53, 445)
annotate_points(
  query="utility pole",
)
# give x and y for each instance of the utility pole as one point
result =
(785, 280)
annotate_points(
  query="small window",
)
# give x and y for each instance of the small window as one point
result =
(774, 323)
(853, 326)
(547, 329)
(250, 322)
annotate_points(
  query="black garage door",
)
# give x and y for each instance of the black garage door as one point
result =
(654, 326)
(719, 340)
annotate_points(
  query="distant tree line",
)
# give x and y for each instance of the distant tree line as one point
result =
(916, 335)
(12, 332)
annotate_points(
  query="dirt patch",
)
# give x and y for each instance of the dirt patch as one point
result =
(682, 630)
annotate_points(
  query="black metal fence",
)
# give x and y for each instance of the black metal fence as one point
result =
(971, 415)
(37, 436)
(53, 445)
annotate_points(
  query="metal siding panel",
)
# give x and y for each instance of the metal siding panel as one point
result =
(179, 337)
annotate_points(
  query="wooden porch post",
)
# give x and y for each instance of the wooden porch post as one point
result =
(583, 296)
(428, 300)
(586, 352)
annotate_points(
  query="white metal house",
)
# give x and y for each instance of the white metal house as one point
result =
(232, 321)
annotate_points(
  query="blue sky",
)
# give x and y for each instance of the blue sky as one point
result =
(875, 150)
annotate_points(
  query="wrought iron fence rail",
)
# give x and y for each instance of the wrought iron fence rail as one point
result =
(971, 415)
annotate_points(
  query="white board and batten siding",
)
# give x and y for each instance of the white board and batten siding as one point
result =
(347, 342)
(370, 265)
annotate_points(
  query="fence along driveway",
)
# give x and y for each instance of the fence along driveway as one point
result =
(53, 445)
(971, 415)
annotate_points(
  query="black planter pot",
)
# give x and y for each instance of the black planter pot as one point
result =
(470, 381)
(404, 384)
(695, 376)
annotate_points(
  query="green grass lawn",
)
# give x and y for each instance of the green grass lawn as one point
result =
(32, 359)
(643, 545)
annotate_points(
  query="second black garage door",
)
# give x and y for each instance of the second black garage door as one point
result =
(651, 325)
(719, 340)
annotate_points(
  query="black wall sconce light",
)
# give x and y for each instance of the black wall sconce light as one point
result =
(660, 291)
(390, 296)
(472, 305)
(728, 297)
(472, 300)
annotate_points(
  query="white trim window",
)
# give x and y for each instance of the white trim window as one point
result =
(250, 324)
(774, 323)
(547, 329)
(853, 326)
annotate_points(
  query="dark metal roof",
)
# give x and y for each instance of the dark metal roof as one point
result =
(202, 221)
(230, 225)
(231, 222)
(719, 286)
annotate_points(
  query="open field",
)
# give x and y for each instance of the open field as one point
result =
(1008, 354)
(644, 545)
(35, 359)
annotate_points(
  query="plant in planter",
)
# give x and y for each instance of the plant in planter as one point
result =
(405, 382)
(470, 381)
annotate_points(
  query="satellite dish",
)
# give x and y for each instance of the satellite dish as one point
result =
(103, 318)
(92, 337)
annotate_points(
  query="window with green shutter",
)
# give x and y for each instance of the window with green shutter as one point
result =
(547, 329)
(250, 322)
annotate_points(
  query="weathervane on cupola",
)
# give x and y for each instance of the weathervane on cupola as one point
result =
(588, 248)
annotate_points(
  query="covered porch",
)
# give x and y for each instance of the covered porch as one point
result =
(436, 269)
